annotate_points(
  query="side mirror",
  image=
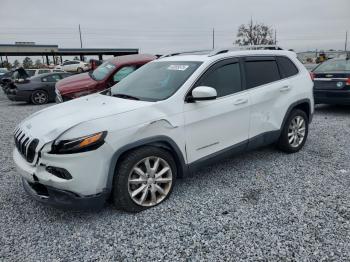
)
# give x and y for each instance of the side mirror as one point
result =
(202, 93)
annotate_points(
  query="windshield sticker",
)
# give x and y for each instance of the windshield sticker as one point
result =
(109, 66)
(178, 67)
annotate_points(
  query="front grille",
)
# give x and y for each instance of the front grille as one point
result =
(25, 145)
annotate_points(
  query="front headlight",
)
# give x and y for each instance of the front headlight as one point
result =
(78, 145)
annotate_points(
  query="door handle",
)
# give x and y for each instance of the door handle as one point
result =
(240, 101)
(285, 89)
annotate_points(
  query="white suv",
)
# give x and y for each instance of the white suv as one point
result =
(130, 142)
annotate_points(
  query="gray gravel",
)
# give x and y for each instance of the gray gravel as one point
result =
(262, 205)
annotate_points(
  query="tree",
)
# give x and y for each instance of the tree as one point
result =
(6, 65)
(16, 63)
(27, 62)
(38, 63)
(254, 34)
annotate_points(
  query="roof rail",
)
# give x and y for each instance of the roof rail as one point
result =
(184, 52)
(247, 47)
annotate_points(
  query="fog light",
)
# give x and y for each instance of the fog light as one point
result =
(59, 172)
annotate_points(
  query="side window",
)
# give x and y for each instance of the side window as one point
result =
(43, 71)
(225, 79)
(261, 72)
(287, 67)
(51, 78)
(122, 73)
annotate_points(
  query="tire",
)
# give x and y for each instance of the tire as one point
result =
(80, 70)
(293, 131)
(149, 192)
(39, 97)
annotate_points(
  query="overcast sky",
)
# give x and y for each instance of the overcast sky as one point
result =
(159, 26)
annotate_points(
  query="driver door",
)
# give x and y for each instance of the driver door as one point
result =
(215, 125)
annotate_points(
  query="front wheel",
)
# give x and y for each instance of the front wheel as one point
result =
(144, 178)
(39, 97)
(294, 132)
(80, 70)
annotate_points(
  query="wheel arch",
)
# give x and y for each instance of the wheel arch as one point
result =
(304, 105)
(156, 141)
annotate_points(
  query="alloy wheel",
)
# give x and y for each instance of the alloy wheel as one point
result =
(150, 181)
(296, 131)
(39, 97)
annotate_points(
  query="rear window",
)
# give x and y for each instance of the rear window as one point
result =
(286, 67)
(261, 72)
(335, 65)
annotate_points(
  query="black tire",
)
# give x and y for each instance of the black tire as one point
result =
(284, 143)
(39, 97)
(80, 70)
(121, 196)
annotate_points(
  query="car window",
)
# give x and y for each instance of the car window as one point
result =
(333, 66)
(51, 78)
(103, 71)
(123, 72)
(43, 71)
(286, 67)
(156, 80)
(57, 70)
(30, 72)
(261, 72)
(225, 79)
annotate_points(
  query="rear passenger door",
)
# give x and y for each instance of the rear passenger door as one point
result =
(270, 94)
(214, 125)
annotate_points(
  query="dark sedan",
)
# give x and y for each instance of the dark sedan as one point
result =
(37, 90)
(332, 82)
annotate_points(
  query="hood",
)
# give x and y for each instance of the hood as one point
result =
(49, 123)
(75, 83)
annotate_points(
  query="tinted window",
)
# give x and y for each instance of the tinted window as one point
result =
(103, 71)
(261, 72)
(334, 65)
(287, 67)
(123, 72)
(30, 72)
(225, 79)
(51, 78)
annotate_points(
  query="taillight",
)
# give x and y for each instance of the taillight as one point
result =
(312, 75)
(348, 81)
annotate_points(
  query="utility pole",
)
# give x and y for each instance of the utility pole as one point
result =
(346, 40)
(275, 37)
(213, 36)
(81, 42)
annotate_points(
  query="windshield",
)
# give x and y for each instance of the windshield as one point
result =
(103, 71)
(333, 66)
(155, 81)
(2, 70)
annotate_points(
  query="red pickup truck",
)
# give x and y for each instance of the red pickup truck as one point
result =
(106, 75)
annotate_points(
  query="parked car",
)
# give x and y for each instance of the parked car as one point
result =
(106, 75)
(35, 72)
(168, 118)
(332, 82)
(3, 71)
(37, 90)
(74, 66)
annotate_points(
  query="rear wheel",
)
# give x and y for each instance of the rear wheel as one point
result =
(294, 132)
(144, 178)
(39, 97)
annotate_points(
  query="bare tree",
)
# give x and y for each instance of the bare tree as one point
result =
(254, 34)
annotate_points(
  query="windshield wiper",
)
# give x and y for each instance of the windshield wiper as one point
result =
(124, 96)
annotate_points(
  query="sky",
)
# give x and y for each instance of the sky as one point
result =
(162, 26)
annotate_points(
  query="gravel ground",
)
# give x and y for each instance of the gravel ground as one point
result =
(262, 205)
